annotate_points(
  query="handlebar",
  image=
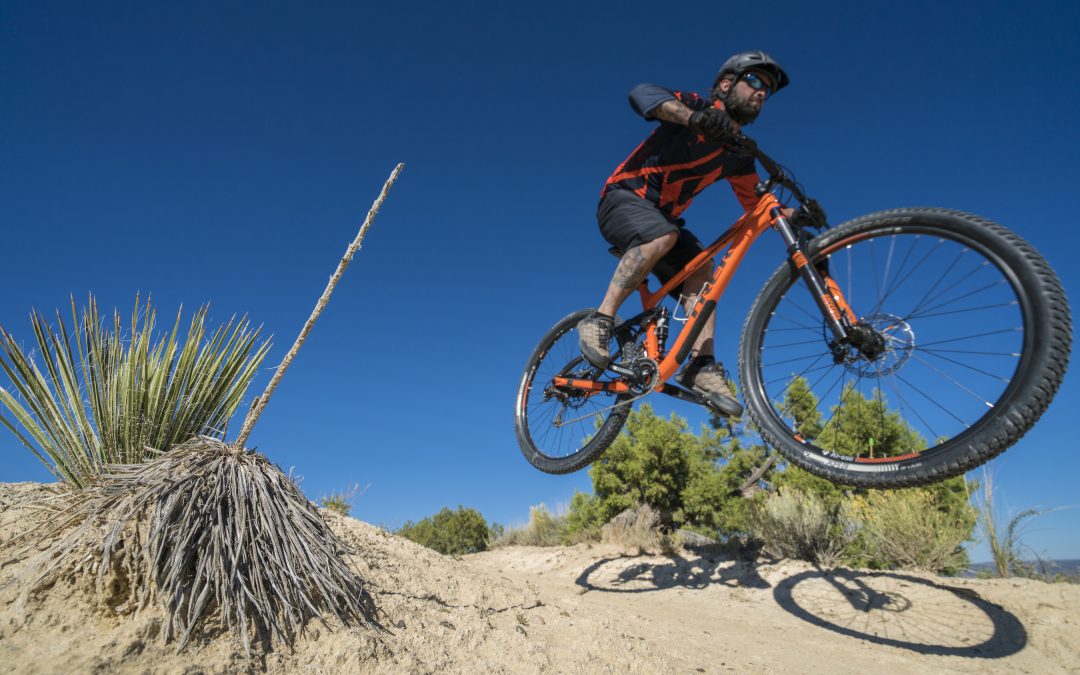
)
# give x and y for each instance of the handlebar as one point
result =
(809, 212)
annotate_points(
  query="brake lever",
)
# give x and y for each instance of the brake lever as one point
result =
(810, 214)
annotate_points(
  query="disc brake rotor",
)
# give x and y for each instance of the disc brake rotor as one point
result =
(899, 343)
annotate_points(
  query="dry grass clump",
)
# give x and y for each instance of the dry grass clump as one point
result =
(639, 528)
(341, 501)
(543, 529)
(794, 524)
(909, 529)
(212, 533)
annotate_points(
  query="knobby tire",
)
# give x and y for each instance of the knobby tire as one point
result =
(1035, 326)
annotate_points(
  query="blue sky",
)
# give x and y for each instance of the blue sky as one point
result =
(226, 153)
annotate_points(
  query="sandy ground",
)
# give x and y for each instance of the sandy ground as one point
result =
(572, 610)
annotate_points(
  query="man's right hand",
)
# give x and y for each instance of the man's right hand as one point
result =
(714, 124)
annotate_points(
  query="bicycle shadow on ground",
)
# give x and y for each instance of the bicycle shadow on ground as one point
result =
(903, 611)
(699, 570)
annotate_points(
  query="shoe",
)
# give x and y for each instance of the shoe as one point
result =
(594, 336)
(708, 378)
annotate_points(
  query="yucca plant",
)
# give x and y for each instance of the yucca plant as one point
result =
(106, 397)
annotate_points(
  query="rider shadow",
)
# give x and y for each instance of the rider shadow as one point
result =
(903, 611)
(610, 575)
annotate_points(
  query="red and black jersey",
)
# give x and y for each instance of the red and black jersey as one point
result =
(674, 163)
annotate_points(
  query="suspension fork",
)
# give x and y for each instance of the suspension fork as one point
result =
(838, 316)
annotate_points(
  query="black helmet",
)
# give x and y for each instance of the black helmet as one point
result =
(758, 60)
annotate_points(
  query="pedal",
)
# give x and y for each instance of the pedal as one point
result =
(691, 396)
(729, 408)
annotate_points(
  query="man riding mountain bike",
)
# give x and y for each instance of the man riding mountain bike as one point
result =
(642, 201)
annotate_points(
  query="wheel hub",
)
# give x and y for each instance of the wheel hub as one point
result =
(880, 345)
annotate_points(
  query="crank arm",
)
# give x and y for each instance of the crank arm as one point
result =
(687, 395)
(590, 385)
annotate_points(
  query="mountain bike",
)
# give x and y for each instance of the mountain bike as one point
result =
(897, 349)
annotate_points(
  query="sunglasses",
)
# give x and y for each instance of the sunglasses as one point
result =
(757, 84)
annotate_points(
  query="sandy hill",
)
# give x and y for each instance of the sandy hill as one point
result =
(573, 610)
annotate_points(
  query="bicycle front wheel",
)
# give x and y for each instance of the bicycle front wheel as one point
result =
(560, 428)
(974, 337)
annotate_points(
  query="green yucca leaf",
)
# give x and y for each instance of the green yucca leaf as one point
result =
(105, 397)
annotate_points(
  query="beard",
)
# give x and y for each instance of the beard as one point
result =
(741, 109)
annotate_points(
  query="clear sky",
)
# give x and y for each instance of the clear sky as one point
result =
(225, 153)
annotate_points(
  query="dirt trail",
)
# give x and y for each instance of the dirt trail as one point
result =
(710, 613)
(570, 610)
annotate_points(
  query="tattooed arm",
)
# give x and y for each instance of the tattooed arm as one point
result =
(654, 102)
(672, 111)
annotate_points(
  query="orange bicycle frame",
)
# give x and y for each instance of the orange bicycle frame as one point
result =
(737, 240)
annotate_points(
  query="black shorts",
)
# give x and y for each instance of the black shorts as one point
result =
(627, 221)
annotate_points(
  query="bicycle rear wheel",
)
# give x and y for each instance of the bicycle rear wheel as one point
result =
(561, 429)
(975, 331)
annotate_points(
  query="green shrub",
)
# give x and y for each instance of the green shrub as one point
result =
(450, 532)
(691, 480)
(583, 520)
(712, 501)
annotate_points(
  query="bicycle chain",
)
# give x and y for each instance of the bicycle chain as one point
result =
(610, 407)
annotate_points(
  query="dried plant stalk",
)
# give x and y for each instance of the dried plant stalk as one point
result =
(260, 401)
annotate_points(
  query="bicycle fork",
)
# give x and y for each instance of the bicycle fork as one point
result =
(834, 309)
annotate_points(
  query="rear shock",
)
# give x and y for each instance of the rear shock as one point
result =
(662, 331)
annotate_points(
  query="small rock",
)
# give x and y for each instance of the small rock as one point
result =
(522, 631)
(539, 620)
(400, 623)
(447, 624)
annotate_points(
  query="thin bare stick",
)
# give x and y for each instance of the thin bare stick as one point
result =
(260, 401)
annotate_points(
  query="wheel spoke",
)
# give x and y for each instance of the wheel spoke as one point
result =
(794, 344)
(795, 323)
(981, 399)
(980, 308)
(947, 270)
(934, 401)
(930, 352)
(914, 410)
(972, 337)
(961, 297)
(787, 378)
(897, 282)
